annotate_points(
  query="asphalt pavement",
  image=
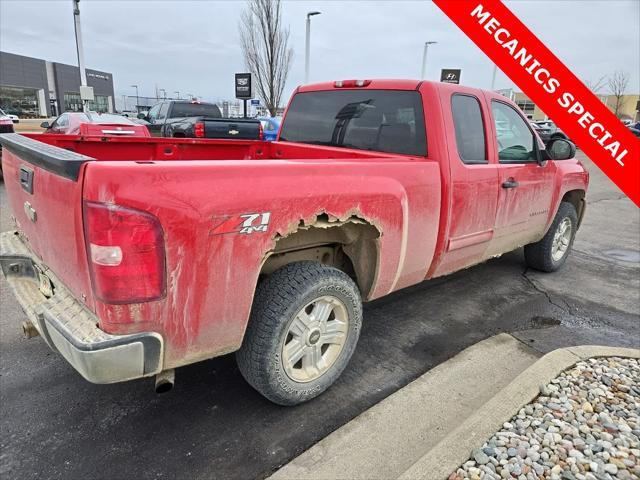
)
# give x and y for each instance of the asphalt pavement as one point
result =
(53, 424)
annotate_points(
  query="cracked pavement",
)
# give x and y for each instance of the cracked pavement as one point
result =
(56, 425)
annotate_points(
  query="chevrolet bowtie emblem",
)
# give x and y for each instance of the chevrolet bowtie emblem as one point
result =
(233, 132)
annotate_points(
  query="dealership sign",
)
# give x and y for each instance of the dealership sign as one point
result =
(450, 75)
(244, 86)
(551, 85)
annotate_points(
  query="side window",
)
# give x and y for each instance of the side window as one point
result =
(516, 143)
(153, 113)
(164, 108)
(63, 120)
(469, 126)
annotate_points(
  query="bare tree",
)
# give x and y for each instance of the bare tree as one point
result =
(265, 46)
(596, 85)
(618, 84)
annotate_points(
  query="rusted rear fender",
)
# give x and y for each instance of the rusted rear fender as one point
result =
(221, 219)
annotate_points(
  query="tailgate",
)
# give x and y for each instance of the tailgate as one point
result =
(44, 190)
(238, 130)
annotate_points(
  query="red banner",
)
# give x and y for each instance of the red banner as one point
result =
(552, 86)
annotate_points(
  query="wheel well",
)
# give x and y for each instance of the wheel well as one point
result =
(576, 198)
(350, 245)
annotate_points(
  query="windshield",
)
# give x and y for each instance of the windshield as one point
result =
(195, 110)
(381, 120)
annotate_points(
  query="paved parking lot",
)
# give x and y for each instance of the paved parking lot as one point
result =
(53, 424)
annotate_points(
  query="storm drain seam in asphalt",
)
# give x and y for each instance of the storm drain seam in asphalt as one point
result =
(566, 309)
(620, 197)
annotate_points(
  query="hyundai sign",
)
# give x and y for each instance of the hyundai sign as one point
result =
(450, 75)
(244, 86)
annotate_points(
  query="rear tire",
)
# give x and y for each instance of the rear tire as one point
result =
(550, 253)
(304, 326)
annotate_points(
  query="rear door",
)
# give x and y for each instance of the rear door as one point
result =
(526, 187)
(473, 182)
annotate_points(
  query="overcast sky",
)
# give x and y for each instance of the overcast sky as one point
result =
(193, 47)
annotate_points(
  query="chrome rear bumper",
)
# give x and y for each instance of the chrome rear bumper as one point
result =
(72, 330)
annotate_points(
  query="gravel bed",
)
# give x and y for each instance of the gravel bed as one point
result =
(584, 425)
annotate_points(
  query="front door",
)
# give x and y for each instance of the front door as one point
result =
(526, 186)
(155, 124)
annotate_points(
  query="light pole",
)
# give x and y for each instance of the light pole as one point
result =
(137, 98)
(79, 49)
(424, 57)
(177, 94)
(307, 46)
(493, 78)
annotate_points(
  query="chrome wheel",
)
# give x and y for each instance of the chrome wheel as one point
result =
(315, 338)
(561, 240)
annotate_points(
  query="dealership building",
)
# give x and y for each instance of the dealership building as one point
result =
(32, 88)
(628, 105)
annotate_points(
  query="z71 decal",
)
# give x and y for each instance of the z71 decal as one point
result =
(245, 223)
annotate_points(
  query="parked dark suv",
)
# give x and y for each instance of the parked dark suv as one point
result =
(549, 131)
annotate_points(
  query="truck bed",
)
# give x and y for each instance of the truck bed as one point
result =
(195, 188)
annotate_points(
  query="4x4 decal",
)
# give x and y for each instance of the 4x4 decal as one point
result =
(245, 223)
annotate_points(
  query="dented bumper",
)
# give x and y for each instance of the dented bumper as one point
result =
(69, 328)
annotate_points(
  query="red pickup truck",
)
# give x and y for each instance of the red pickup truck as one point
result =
(134, 256)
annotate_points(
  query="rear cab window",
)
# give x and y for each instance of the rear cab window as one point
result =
(389, 121)
(469, 128)
(195, 110)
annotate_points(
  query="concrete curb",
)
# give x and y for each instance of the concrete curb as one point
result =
(387, 439)
(456, 447)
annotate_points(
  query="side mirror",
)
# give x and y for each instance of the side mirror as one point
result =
(45, 125)
(561, 149)
(142, 116)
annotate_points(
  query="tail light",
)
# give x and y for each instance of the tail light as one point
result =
(351, 83)
(125, 249)
(198, 130)
(261, 132)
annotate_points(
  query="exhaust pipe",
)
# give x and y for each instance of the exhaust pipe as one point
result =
(29, 330)
(165, 380)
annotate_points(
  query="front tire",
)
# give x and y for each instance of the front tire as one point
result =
(550, 253)
(304, 326)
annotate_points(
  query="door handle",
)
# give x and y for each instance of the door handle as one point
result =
(511, 183)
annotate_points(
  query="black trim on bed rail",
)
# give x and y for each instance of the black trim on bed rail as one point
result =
(54, 159)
